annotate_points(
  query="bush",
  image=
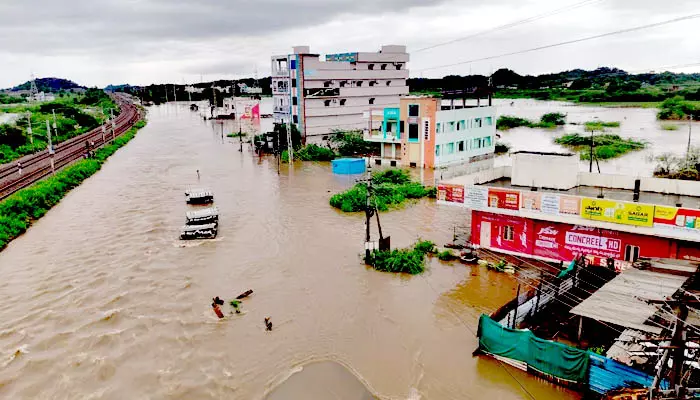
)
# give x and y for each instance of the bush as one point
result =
(352, 143)
(669, 127)
(389, 188)
(314, 152)
(553, 119)
(20, 209)
(677, 108)
(502, 147)
(606, 146)
(600, 125)
(446, 255)
(506, 122)
(410, 261)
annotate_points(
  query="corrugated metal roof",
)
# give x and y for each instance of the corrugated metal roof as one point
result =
(605, 374)
(622, 300)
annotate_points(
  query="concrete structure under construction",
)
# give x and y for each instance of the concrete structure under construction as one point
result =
(320, 96)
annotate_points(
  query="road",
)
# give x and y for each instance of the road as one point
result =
(38, 165)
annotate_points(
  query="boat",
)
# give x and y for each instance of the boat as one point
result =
(207, 231)
(199, 196)
(202, 217)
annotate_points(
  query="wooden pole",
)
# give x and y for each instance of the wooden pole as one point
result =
(517, 304)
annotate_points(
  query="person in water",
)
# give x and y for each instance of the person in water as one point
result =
(215, 305)
(268, 324)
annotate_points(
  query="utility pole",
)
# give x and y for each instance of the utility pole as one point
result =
(368, 211)
(111, 119)
(103, 133)
(54, 122)
(240, 136)
(50, 147)
(290, 145)
(690, 127)
(590, 165)
(29, 128)
(279, 151)
(166, 92)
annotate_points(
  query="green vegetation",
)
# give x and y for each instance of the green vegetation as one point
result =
(502, 147)
(75, 115)
(674, 167)
(410, 260)
(676, 108)
(310, 152)
(236, 134)
(601, 125)
(352, 143)
(549, 120)
(669, 127)
(605, 146)
(21, 209)
(446, 255)
(389, 189)
(7, 99)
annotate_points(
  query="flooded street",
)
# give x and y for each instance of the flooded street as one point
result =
(101, 301)
(637, 123)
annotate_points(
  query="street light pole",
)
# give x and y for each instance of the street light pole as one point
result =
(29, 128)
(690, 127)
(50, 147)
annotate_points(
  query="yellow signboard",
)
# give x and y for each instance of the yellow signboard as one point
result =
(619, 212)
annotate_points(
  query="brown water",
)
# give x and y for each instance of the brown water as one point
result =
(101, 301)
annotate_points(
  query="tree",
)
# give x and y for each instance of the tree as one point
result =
(580, 84)
(11, 135)
(553, 118)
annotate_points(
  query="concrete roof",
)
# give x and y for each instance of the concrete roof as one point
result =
(622, 300)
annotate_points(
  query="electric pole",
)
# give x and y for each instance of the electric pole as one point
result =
(111, 119)
(29, 128)
(690, 127)
(590, 164)
(50, 147)
(290, 145)
(54, 122)
(368, 211)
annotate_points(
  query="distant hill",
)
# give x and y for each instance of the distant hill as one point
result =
(52, 85)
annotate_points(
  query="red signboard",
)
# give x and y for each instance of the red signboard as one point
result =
(504, 198)
(451, 193)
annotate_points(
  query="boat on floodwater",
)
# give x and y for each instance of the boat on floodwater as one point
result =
(203, 217)
(199, 196)
(207, 231)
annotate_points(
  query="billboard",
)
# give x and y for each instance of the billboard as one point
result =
(507, 199)
(619, 212)
(450, 193)
(564, 242)
(550, 203)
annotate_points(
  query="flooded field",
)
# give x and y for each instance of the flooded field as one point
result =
(101, 301)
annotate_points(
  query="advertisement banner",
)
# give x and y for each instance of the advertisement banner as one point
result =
(504, 198)
(680, 217)
(619, 212)
(550, 203)
(450, 193)
(564, 242)
(476, 197)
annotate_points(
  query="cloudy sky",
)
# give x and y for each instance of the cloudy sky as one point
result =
(98, 42)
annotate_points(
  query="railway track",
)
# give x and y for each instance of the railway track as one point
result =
(38, 165)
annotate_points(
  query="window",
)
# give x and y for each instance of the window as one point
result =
(487, 141)
(460, 125)
(372, 83)
(327, 83)
(388, 83)
(371, 100)
(294, 83)
(412, 132)
(476, 143)
(295, 119)
(342, 101)
(342, 83)
(437, 150)
(398, 66)
(477, 123)
(358, 83)
(451, 126)
(370, 66)
(293, 64)
(413, 110)
(460, 146)
(508, 233)
(401, 127)
(437, 128)
(327, 103)
(631, 253)
(489, 121)
(383, 67)
(294, 101)
(450, 148)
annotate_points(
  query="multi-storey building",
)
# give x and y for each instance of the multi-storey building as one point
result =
(323, 96)
(424, 133)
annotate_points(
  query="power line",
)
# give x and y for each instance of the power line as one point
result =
(633, 29)
(511, 24)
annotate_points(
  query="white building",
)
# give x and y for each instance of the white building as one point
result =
(322, 96)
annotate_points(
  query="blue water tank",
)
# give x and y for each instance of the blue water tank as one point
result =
(349, 166)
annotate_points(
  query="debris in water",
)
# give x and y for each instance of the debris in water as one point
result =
(244, 294)
(268, 324)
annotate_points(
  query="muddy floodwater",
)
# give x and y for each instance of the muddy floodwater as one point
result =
(101, 301)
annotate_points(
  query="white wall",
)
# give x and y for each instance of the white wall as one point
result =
(657, 185)
(468, 134)
(545, 170)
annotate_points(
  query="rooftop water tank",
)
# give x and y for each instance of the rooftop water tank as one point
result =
(349, 166)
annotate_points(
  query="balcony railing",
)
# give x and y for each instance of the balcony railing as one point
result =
(281, 109)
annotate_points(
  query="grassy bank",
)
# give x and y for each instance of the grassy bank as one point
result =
(549, 120)
(410, 260)
(606, 146)
(21, 209)
(389, 189)
(601, 125)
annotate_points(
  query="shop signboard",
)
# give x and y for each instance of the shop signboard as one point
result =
(683, 222)
(564, 242)
(507, 199)
(476, 197)
(452, 194)
(619, 212)
(550, 203)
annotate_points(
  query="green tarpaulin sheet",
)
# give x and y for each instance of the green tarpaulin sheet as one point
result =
(546, 356)
(564, 272)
